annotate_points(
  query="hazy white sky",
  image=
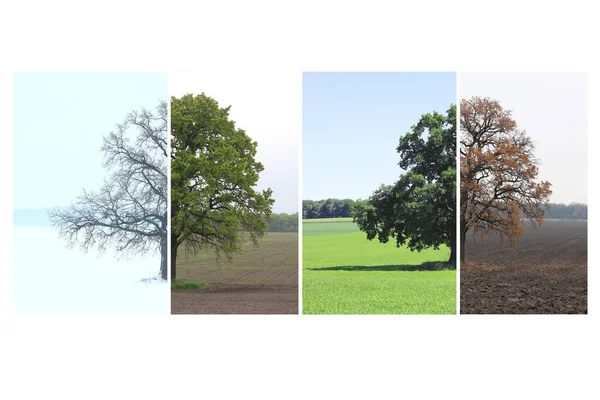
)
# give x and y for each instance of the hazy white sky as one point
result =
(268, 106)
(552, 108)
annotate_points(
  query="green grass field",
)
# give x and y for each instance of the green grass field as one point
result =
(186, 284)
(344, 273)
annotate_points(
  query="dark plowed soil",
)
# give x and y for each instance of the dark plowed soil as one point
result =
(237, 299)
(546, 273)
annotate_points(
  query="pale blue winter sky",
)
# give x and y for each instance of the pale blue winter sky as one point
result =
(59, 122)
(352, 122)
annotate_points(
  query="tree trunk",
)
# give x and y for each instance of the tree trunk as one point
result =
(463, 238)
(453, 251)
(163, 257)
(174, 247)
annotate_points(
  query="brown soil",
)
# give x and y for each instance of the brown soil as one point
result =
(261, 280)
(546, 273)
(237, 299)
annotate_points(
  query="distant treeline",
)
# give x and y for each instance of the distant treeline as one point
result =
(330, 208)
(283, 223)
(342, 208)
(571, 211)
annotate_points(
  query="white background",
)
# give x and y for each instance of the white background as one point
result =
(466, 357)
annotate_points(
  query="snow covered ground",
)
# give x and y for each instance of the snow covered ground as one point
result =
(51, 279)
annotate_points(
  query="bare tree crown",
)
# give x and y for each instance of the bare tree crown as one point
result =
(129, 211)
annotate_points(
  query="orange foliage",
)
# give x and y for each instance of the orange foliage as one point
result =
(498, 172)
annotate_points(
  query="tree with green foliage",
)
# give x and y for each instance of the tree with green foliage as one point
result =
(327, 209)
(419, 210)
(214, 203)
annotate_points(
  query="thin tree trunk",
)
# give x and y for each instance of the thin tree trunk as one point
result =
(163, 257)
(463, 238)
(453, 251)
(174, 247)
(174, 243)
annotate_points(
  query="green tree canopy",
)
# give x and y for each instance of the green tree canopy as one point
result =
(214, 202)
(419, 210)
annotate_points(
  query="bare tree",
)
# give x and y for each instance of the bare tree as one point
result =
(129, 211)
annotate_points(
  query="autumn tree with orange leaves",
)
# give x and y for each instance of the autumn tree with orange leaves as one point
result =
(498, 174)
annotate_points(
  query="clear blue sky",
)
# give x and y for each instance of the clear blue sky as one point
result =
(59, 122)
(352, 122)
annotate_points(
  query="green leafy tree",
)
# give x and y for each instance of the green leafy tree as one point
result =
(327, 209)
(214, 203)
(419, 210)
(346, 208)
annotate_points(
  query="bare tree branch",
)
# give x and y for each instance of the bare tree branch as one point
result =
(129, 211)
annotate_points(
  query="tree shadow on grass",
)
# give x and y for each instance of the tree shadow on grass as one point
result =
(426, 266)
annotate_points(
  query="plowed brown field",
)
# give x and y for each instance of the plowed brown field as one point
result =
(261, 280)
(546, 273)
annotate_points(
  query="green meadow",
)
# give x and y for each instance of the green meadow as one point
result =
(344, 273)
